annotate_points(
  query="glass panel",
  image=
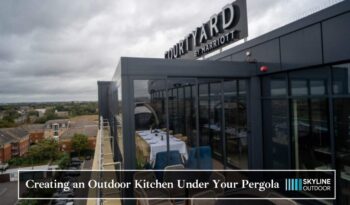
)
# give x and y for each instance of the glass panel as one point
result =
(318, 87)
(215, 119)
(311, 134)
(150, 121)
(341, 76)
(235, 124)
(182, 118)
(299, 87)
(190, 115)
(120, 118)
(204, 113)
(242, 88)
(210, 115)
(275, 85)
(309, 82)
(276, 140)
(342, 135)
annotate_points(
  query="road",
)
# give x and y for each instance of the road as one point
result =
(8, 193)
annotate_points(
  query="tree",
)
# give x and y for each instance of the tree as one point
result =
(45, 149)
(80, 143)
(64, 161)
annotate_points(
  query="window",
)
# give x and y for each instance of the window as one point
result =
(341, 76)
(236, 123)
(219, 101)
(275, 85)
(341, 110)
(276, 140)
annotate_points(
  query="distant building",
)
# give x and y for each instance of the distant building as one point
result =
(36, 132)
(14, 142)
(83, 127)
(41, 112)
(55, 128)
(2, 115)
(21, 119)
(62, 113)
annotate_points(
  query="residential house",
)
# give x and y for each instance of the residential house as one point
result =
(14, 142)
(62, 113)
(36, 132)
(41, 112)
(55, 128)
(87, 128)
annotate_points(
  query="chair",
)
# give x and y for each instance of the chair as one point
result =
(184, 138)
(195, 200)
(175, 167)
(164, 159)
(150, 193)
(279, 201)
(178, 136)
(173, 177)
(217, 176)
(200, 158)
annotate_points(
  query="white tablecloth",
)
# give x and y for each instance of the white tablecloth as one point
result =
(156, 143)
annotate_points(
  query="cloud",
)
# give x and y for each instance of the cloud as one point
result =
(57, 50)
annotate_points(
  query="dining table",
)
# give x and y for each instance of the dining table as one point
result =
(157, 141)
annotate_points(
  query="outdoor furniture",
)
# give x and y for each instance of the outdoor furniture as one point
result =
(157, 142)
(150, 193)
(205, 194)
(164, 159)
(217, 176)
(181, 137)
(142, 150)
(178, 136)
(200, 158)
(173, 177)
(184, 139)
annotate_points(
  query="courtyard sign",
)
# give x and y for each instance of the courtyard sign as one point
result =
(223, 28)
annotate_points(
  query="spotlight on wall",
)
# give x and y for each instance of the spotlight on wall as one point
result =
(264, 68)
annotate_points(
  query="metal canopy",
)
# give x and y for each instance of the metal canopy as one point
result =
(185, 68)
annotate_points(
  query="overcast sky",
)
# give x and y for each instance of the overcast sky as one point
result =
(57, 50)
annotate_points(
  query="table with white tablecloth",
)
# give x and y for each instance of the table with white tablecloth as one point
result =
(157, 142)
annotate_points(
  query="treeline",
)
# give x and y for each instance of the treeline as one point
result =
(76, 109)
(9, 113)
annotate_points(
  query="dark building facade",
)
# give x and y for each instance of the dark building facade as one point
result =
(280, 101)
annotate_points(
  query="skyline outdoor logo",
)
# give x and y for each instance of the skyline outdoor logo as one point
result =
(310, 185)
(294, 184)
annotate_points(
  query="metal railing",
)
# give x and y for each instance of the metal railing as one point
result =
(103, 127)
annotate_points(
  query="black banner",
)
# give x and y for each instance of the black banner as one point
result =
(177, 184)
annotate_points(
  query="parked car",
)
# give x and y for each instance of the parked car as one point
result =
(75, 159)
(64, 194)
(3, 167)
(63, 202)
(74, 172)
(75, 164)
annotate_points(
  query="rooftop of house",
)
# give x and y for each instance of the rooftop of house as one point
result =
(41, 110)
(60, 122)
(8, 135)
(34, 127)
(89, 130)
(57, 121)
